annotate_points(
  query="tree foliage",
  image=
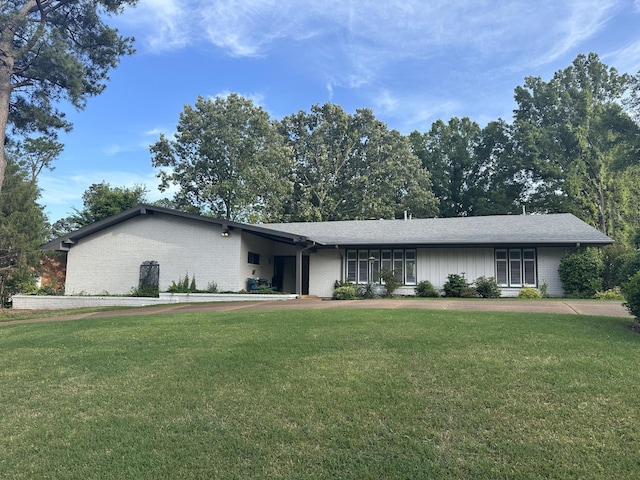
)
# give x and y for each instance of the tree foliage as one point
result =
(37, 154)
(447, 151)
(474, 171)
(22, 230)
(581, 273)
(100, 201)
(631, 292)
(228, 160)
(353, 167)
(52, 50)
(577, 141)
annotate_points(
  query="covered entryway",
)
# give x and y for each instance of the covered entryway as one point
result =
(284, 273)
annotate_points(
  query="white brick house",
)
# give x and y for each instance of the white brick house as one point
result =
(307, 258)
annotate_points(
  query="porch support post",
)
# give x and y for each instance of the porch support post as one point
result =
(299, 270)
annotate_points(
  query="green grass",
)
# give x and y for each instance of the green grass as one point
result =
(321, 394)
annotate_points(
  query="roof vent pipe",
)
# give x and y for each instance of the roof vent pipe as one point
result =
(405, 215)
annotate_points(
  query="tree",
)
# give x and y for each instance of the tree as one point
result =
(100, 201)
(448, 152)
(52, 50)
(577, 141)
(21, 231)
(36, 154)
(350, 167)
(228, 160)
(500, 182)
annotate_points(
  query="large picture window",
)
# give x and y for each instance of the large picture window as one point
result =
(363, 266)
(516, 267)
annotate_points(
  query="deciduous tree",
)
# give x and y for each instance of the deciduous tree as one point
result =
(228, 160)
(100, 201)
(448, 152)
(350, 167)
(577, 141)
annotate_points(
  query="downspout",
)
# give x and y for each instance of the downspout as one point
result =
(341, 263)
(299, 267)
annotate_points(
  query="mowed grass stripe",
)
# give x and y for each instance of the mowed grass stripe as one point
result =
(321, 394)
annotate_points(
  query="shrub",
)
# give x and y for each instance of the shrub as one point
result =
(455, 285)
(345, 292)
(469, 292)
(629, 267)
(529, 293)
(183, 285)
(631, 292)
(580, 273)
(367, 290)
(145, 291)
(391, 281)
(488, 287)
(426, 289)
(612, 294)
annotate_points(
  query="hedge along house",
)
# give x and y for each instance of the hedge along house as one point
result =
(307, 258)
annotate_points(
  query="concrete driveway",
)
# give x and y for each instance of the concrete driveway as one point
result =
(567, 306)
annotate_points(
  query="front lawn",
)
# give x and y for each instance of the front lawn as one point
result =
(321, 394)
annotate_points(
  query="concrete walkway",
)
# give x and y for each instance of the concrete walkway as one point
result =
(567, 306)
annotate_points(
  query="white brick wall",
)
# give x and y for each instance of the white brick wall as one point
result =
(261, 246)
(109, 261)
(548, 263)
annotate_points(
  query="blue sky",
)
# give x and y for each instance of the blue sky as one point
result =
(412, 62)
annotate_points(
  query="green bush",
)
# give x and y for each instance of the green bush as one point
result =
(455, 285)
(391, 281)
(612, 294)
(367, 290)
(488, 287)
(529, 293)
(631, 292)
(144, 292)
(346, 292)
(580, 273)
(469, 292)
(426, 289)
(629, 268)
(183, 285)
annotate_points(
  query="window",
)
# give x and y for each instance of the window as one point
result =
(501, 267)
(410, 267)
(516, 267)
(352, 257)
(363, 266)
(529, 262)
(254, 258)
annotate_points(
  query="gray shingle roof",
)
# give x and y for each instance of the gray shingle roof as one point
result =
(552, 229)
(556, 229)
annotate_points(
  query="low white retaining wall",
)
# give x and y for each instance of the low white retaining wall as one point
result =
(37, 302)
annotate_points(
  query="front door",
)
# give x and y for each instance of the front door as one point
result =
(284, 274)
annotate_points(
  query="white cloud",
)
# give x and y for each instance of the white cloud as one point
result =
(626, 60)
(163, 23)
(581, 20)
(352, 41)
